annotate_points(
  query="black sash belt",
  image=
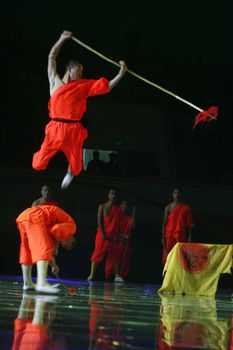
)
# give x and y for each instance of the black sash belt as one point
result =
(66, 120)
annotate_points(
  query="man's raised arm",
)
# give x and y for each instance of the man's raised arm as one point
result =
(52, 66)
(119, 76)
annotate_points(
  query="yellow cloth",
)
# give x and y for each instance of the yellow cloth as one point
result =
(192, 322)
(194, 268)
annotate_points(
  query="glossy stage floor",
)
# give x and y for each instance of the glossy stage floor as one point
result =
(101, 315)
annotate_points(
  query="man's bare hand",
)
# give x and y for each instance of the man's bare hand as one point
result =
(69, 243)
(123, 68)
(66, 35)
(55, 270)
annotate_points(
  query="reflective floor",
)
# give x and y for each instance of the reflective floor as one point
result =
(111, 316)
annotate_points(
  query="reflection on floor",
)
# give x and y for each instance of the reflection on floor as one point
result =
(101, 315)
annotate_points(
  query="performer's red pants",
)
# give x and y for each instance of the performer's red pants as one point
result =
(125, 250)
(36, 242)
(105, 248)
(67, 137)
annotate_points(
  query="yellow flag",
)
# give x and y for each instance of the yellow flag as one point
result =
(194, 268)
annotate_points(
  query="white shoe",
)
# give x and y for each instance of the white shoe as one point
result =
(49, 289)
(119, 279)
(29, 287)
(67, 180)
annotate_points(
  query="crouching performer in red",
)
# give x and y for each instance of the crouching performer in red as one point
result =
(126, 224)
(106, 242)
(40, 227)
(177, 223)
(67, 105)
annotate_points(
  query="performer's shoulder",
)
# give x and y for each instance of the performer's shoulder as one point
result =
(106, 205)
(37, 202)
(101, 206)
(168, 208)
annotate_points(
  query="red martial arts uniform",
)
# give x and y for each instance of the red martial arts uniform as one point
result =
(108, 246)
(179, 220)
(38, 225)
(65, 132)
(124, 246)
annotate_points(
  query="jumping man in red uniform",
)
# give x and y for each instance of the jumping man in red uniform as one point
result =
(177, 223)
(67, 106)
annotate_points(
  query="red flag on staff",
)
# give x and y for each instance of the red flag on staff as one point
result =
(206, 116)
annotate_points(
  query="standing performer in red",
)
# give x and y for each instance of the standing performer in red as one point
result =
(106, 242)
(126, 224)
(67, 106)
(177, 223)
(39, 227)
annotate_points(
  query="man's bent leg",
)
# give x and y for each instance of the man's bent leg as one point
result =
(73, 150)
(42, 157)
(48, 149)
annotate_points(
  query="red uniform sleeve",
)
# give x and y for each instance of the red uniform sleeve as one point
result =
(98, 87)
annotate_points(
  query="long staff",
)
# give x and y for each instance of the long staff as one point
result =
(204, 115)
